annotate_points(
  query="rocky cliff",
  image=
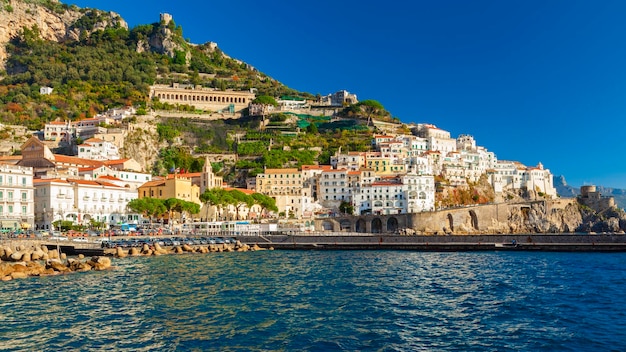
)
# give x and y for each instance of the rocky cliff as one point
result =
(538, 219)
(54, 21)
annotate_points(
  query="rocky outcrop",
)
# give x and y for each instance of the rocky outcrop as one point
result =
(162, 40)
(537, 219)
(52, 24)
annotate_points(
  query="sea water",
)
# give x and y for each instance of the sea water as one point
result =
(325, 301)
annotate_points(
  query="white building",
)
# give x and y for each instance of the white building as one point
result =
(287, 103)
(81, 201)
(339, 98)
(45, 90)
(508, 177)
(350, 160)
(97, 149)
(122, 178)
(59, 131)
(16, 198)
(386, 196)
(333, 188)
(420, 192)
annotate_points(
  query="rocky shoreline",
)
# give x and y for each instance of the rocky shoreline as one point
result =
(23, 259)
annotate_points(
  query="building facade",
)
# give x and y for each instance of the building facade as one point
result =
(16, 198)
(81, 202)
(203, 98)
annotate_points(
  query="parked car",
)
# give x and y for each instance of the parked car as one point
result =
(80, 239)
(58, 238)
(42, 233)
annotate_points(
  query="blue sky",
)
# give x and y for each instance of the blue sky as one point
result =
(532, 81)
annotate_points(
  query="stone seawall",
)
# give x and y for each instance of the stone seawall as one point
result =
(542, 216)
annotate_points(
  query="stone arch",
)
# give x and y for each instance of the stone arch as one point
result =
(392, 224)
(327, 226)
(450, 222)
(473, 219)
(377, 226)
(345, 225)
(360, 226)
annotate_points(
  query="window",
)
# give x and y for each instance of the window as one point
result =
(24, 195)
(23, 181)
(10, 209)
(23, 210)
(1, 195)
(10, 193)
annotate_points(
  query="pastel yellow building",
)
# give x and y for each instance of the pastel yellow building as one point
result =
(174, 187)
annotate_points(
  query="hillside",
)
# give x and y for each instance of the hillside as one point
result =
(93, 61)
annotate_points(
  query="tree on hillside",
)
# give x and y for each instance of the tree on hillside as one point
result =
(371, 108)
(265, 100)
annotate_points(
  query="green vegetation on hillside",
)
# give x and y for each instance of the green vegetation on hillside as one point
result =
(105, 69)
(115, 67)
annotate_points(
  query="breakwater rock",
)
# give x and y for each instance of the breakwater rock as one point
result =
(21, 261)
(156, 249)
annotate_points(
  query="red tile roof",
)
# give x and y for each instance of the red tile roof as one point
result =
(244, 190)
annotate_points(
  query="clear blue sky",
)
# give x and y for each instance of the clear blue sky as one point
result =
(531, 80)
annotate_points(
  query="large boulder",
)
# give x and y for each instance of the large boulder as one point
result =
(37, 254)
(121, 253)
(187, 248)
(57, 265)
(100, 263)
(18, 275)
(7, 253)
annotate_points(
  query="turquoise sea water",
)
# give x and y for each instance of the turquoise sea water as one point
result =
(325, 301)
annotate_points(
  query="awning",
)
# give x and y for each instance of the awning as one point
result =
(25, 225)
(11, 224)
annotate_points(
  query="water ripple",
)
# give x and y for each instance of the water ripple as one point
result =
(324, 301)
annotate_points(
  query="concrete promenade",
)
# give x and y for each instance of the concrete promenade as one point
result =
(527, 242)
(363, 241)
